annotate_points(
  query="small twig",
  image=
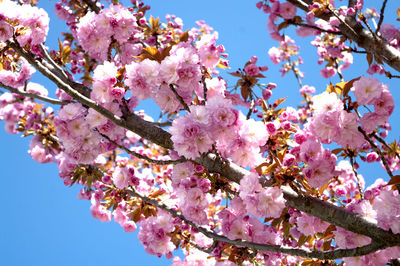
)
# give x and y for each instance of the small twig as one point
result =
(292, 67)
(390, 76)
(342, 21)
(291, 22)
(382, 141)
(206, 250)
(377, 150)
(180, 99)
(143, 157)
(54, 64)
(339, 72)
(381, 16)
(203, 80)
(370, 29)
(33, 95)
(358, 52)
(357, 178)
(251, 108)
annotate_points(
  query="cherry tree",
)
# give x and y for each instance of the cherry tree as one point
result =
(226, 172)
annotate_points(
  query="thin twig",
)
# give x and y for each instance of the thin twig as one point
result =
(141, 156)
(357, 178)
(180, 99)
(383, 142)
(251, 108)
(48, 58)
(342, 21)
(203, 80)
(358, 52)
(381, 16)
(377, 150)
(33, 95)
(291, 22)
(206, 250)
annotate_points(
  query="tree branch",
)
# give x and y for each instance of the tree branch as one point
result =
(328, 255)
(357, 33)
(381, 16)
(180, 99)
(292, 22)
(33, 95)
(92, 5)
(323, 210)
(143, 157)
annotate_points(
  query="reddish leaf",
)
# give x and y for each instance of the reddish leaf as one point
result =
(245, 92)
(184, 36)
(369, 58)
(279, 101)
(395, 180)
(236, 74)
(348, 86)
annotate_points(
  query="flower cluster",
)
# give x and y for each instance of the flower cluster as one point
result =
(219, 123)
(95, 32)
(33, 23)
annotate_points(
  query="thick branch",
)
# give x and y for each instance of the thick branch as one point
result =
(357, 33)
(329, 255)
(339, 217)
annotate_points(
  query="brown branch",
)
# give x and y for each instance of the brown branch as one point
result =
(357, 178)
(143, 157)
(383, 142)
(54, 64)
(340, 217)
(33, 95)
(357, 33)
(292, 22)
(377, 150)
(381, 16)
(92, 5)
(352, 3)
(180, 99)
(328, 255)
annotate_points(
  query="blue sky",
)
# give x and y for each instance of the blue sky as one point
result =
(44, 223)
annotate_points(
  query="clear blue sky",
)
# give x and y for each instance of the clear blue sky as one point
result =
(44, 223)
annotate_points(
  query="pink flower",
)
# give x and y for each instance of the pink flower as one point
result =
(287, 10)
(275, 55)
(270, 202)
(387, 207)
(124, 176)
(328, 72)
(251, 69)
(6, 31)
(326, 102)
(367, 90)
(289, 160)
(372, 157)
(309, 225)
(384, 105)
